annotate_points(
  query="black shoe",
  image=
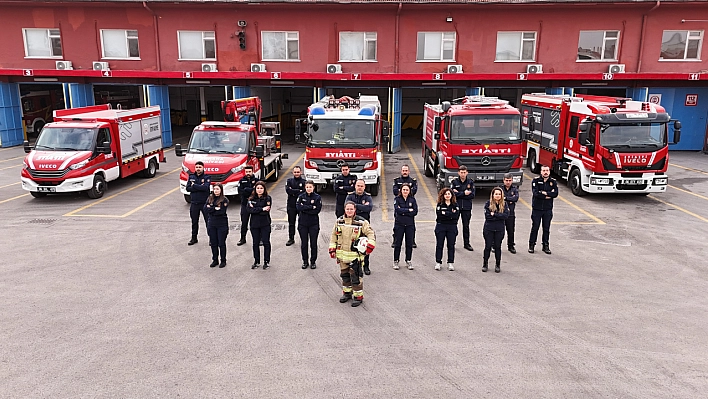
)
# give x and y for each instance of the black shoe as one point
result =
(305, 265)
(357, 301)
(493, 250)
(313, 265)
(214, 263)
(393, 245)
(367, 271)
(255, 265)
(345, 297)
(468, 247)
(415, 245)
(193, 241)
(512, 249)
(222, 264)
(497, 269)
(241, 241)
(266, 265)
(290, 242)
(485, 266)
(531, 248)
(547, 249)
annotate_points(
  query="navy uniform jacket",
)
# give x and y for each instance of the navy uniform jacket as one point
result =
(309, 207)
(539, 201)
(511, 196)
(294, 187)
(361, 209)
(347, 186)
(198, 187)
(402, 207)
(398, 182)
(495, 222)
(259, 217)
(447, 214)
(217, 217)
(458, 188)
(245, 188)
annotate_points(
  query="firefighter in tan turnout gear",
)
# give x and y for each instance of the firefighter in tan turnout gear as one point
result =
(352, 239)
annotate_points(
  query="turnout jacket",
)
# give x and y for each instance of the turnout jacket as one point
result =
(458, 188)
(361, 209)
(259, 217)
(539, 201)
(347, 186)
(198, 187)
(245, 188)
(405, 210)
(216, 214)
(400, 180)
(447, 214)
(511, 196)
(294, 187)
(494, 222)
(345, 234)
(309, 207)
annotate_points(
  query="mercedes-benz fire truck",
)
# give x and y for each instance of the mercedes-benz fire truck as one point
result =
(227, 147)
(344, 129)
(479, 132)
(599, 144)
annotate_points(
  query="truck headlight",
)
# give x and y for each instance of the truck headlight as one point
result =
(368, 165)
(451, 178)
(661, 181)
(185, 169)
(312, 164)
(237, 169)
(601, 181)
(79, 165)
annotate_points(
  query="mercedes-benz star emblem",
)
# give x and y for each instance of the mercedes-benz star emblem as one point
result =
(340, 162)
(486, 161)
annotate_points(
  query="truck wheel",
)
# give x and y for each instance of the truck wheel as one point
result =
(428, 168)
(532, 164)
(98, 188)
(188, 198)
(274, 176)
(576, 183)
(374, 189)
(37, 194)
(151, 170)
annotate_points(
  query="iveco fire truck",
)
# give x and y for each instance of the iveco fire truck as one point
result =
(227, 147)
(599, 144)
(479, 132)
(344, 129)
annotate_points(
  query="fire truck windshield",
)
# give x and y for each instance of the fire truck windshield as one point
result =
(342, 133)
(219, 142)
(66, 139)
(484, 128)
(633, 135)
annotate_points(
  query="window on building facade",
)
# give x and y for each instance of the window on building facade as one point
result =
(516, 46)
(598, 45)
(436, 46)
(681, 45)
(119, 43)
(280, 46)
(196, 45)
(42, 43)
(357, 46)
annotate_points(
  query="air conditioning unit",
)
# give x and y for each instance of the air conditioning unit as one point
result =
(258, 68)
(616, 68)
(209, 68)
(454, 69)
(334, 68)
(64, 65)
(534, 68)
(100, 66)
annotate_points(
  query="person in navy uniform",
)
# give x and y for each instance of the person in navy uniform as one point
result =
(406, 209)
(364, 205)
(544, 189)
(448, 213)
(343, 185)
(198, 186)
(218, 224)
(511, 196)
(496, 212)
(309, 205)
(245, 188)
(294, 186)
(463, 188)
(259, 204)
(404, 178)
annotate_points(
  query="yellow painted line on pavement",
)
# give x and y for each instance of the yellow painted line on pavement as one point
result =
(8, 185)
(150, 202)
(433, 200)
(287, 172)
(75, 211)
(583, 211)
(13, 198)
(679, 189)
(699, 217)
(10, 148)
(10, 159)
(10, 167)
(384, 190)
(687, 168)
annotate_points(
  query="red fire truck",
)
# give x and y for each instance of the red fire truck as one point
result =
(84, 148)
(227, 147)
(599, 144)
(479, 132)
(344, 129)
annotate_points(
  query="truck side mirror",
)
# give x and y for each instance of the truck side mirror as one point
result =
(583, 137)
(446, 106)
(677, 132)
(27, 147)
(584, 127)
(436, 124)
(260, 151)
(386, 127)
(436, 136)
(105, 148)
(677, 125)
(178, 150)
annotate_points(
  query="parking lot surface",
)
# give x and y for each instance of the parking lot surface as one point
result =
(103, 298)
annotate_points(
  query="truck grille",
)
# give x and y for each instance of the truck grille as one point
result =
(499, 164)
(54, 174)
(330, 165)
(657, 165)
(220, 177)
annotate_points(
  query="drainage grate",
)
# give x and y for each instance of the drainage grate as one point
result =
(274, 226)
(43, 221)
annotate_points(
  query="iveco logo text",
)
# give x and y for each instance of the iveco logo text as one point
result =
(340, 155)
(47, 166)
(488, 151)
(211, 169)
(635, 159)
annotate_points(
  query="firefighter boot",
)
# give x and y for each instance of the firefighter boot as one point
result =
(547, 249)
(497, 268)
(367, 271)
(345, 297)
(357, 301)
(222, 264)
(193, 241)
(485, 266)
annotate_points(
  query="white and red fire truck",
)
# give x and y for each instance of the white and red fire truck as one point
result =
(599, 144)
(479, 132)
(227, 147)
(344, 129)
(84, 148)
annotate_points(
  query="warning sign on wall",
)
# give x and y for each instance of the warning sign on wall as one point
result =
(655, 98)
(691, 100)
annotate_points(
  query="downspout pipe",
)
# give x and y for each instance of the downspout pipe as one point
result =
(643, 33)
(157, 39)
(398, 19)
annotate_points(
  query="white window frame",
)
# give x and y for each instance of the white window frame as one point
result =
(286, 32)
(49, 36)
(366, 41)
(127, 46)
(204, 39)
(442, 47)
(521, 46)
(685, 49)
(604, 43)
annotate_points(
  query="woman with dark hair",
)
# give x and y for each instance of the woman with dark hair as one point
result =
(217, 224)
(405, 208)
(309, 205)
(259, 204)
(495, 213)
(448, 213)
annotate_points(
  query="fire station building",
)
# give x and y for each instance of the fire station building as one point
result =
(188, 55)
